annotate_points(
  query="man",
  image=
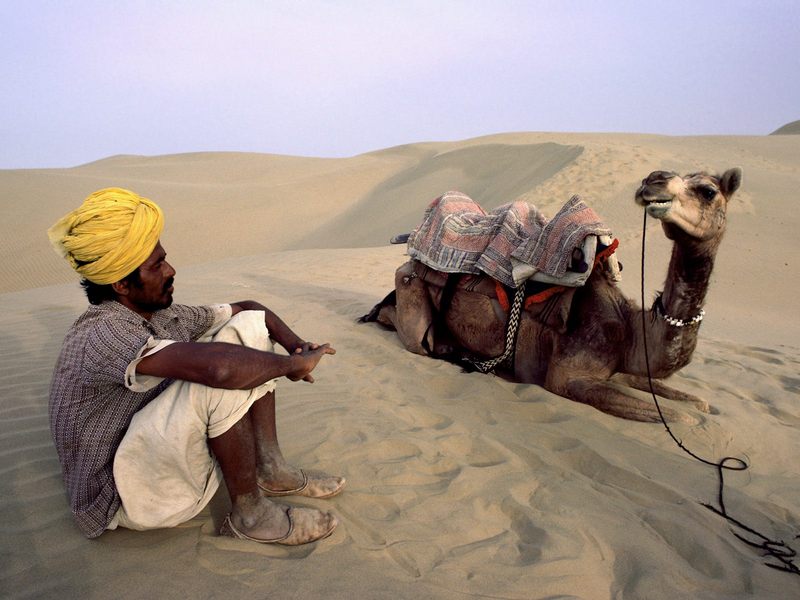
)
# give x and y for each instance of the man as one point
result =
(143, 389)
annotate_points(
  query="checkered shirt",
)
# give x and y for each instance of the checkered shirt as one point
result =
(90, 405)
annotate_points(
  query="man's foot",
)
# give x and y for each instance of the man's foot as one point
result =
(303, 525)
(312, 484)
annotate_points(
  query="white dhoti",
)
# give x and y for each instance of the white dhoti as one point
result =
(163, 469)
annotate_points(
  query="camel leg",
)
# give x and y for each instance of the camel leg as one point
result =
(413, 314)
(638, 382)
(408, 310)
(384, 312)
(387, 316)
(602, 395)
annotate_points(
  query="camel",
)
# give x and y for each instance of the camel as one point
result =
(598, 351)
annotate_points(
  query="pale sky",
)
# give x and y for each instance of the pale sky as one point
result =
(83, 80)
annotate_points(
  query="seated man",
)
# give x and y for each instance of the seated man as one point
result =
(143, 389)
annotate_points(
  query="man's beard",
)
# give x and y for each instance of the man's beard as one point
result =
(159, 304)
(154, 306)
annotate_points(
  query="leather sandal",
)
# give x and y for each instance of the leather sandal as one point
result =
(311, 487)
(305, 526)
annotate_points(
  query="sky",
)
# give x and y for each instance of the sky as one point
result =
(84, 80)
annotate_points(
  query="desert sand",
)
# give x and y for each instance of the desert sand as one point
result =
(459, 485)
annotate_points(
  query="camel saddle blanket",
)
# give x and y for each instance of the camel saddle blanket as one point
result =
(550, 305)
(512, 243)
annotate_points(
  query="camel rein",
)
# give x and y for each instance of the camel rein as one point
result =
(774, 549)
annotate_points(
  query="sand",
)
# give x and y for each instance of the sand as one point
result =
(459, 485)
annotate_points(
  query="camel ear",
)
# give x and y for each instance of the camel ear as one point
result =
(730, 181)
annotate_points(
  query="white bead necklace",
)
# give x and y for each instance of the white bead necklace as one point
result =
(678, 322)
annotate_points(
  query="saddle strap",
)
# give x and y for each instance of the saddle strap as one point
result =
(438, 321)
(512, 326)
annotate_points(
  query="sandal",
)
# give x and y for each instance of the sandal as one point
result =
(311, 487)
(304, 527)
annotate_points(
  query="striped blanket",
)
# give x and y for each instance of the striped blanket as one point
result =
(458, 236)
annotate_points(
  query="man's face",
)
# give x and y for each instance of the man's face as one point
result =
(154, 289)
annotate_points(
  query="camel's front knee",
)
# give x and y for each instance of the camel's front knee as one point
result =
(413, 316)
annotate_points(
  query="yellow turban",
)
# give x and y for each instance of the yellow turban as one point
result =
(109, 235)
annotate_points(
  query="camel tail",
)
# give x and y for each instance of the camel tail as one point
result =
(400, 238)
(372, 316)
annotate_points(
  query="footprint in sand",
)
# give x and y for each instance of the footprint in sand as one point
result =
(473, 450)
(418, 418)
(601, 472)
(530, 539)
(698, 557)
(767, 355)
(790, 384)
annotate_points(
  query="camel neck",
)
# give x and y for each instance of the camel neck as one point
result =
(671, 345)
(687, 280)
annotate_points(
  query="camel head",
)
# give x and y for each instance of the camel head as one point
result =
(694, 204)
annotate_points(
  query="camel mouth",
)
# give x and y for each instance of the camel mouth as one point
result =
(658, 209)
(657, 205)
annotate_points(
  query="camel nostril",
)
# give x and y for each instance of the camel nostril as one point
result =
(659, 177)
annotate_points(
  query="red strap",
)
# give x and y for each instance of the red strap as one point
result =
(502, 297)
(606, 252)
(542, 296)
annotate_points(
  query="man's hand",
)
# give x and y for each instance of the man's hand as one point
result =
(230, 366)
(301, 346)
(305, 358)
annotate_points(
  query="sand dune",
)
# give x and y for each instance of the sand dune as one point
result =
(792, 128)
(459, 484)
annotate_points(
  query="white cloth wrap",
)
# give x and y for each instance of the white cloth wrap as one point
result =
(163, 469)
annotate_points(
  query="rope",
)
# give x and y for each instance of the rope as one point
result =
(512, 327)
(777, 550)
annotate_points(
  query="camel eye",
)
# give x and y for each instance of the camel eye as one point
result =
(707, 192)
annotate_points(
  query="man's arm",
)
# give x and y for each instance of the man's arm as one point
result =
(278, 330)
(230, 366)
